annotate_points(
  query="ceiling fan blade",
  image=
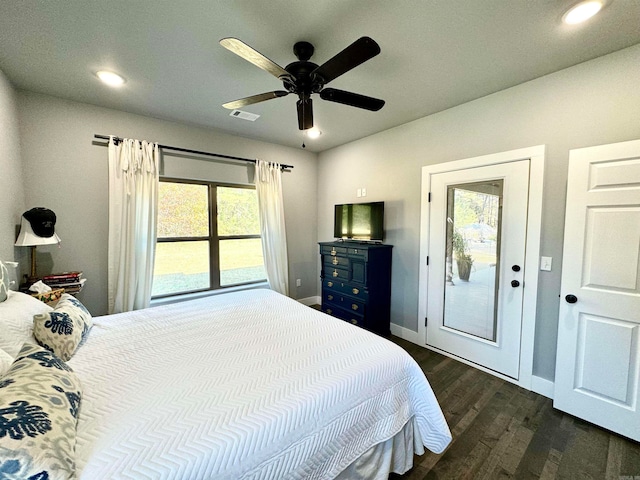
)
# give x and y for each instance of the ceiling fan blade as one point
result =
(251, 55)
(261, 97)
(352, 99)
(305, 113)
(358, 52)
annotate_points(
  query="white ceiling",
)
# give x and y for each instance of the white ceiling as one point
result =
(435, 54)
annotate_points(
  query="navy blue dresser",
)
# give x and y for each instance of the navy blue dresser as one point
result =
(356, 283)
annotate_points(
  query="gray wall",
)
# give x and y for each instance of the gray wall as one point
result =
(67, 172)
(593, 103)
(11, 184)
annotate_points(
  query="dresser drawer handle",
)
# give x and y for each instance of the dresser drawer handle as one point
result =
(354, 306)
(355, 291)
(333, 252)
(328, 310)
(330, 297)
(335, 261)
(354, 321)
(329, 284)
(335, 273)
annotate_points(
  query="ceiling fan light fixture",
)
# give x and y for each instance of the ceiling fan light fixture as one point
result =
(313, 132)
(110, 78)
(582, 11)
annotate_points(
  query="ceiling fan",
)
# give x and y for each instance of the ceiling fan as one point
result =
(304, 78)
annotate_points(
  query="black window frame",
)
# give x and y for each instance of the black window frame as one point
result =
(213, 238)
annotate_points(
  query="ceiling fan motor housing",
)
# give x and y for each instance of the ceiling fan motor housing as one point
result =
(301, 81)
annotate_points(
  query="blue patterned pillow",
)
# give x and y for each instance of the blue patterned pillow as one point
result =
(39, 402)
(64, 329)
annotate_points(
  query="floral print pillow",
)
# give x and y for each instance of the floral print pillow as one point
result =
(64, 329)
(39, 402)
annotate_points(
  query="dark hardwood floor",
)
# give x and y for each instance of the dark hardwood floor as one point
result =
(503, 431)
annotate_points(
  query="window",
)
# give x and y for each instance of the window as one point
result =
(208, 237)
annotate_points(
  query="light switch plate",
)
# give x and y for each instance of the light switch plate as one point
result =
(545, 264)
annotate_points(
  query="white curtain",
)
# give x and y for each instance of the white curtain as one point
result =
(133, 212)
(271, 211)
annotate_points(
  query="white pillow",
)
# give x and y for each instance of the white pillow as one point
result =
(5, 362)
(4, 282)
(16, 321)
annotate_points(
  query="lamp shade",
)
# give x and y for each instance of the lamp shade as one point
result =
(29, 239)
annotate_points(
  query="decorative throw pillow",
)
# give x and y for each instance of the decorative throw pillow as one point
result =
(51, 297)
(16, 321)
(39, 401)
(4, 282)
(64, 329)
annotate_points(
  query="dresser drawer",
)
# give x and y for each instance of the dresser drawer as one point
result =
(336, 262)
(343, 301)
(336, 273)
(348, 316)
(358, 252)
(345, 288)
(333, 250)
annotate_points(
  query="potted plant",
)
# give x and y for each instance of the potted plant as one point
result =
(463, 259)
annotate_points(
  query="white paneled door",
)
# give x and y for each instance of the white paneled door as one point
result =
(598, 358)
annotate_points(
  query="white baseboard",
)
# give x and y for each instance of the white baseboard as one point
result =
(542, 386)
(406, 334)
(310, 300)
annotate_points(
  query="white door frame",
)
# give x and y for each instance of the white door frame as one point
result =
(536, 156)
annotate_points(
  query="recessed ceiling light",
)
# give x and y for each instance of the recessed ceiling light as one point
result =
(582, 11)
(313, 132)
(110, 78)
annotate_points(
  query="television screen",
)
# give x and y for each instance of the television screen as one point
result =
(359, 221)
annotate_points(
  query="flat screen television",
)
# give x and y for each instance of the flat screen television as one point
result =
(359, 221)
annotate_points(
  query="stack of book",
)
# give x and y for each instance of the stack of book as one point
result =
(72, 282)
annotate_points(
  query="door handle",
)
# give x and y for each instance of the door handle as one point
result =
(515, 268)
(515, 283)
(571, 298)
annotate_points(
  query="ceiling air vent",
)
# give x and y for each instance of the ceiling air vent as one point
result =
(252, 117)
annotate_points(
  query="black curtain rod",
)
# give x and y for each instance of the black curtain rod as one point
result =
(197, 152)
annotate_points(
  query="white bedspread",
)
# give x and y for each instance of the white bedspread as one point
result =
(244, 385)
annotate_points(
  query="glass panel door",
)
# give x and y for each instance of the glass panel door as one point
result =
(472, 265)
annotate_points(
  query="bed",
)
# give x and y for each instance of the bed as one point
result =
(247, 385)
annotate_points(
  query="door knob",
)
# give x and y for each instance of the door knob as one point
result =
(515, 283)
(515, 268)
(571, 298)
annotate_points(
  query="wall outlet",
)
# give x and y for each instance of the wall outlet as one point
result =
(359, 192)
(545, 264)
(364, 192)
(298, 282)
